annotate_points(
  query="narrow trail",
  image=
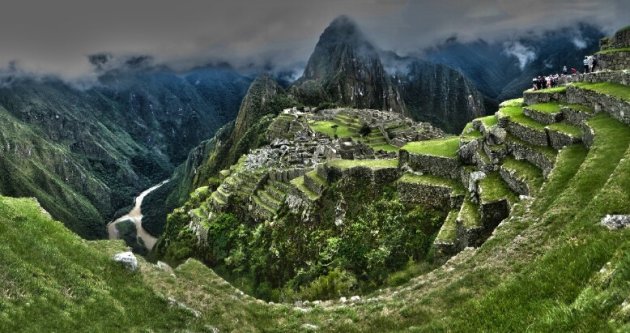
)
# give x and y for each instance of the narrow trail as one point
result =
(135, 216)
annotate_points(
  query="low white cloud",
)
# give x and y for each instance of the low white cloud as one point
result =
(524, 54)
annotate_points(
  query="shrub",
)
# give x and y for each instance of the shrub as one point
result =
(337, 282)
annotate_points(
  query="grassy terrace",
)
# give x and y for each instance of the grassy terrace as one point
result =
(525, 171)
(372, 164)
(299, 183)
(493, 188)
(515, 114)
(546, 107)
(580, 108)
(611, 89)
(446, 147)
(512, 102)
(563, 127)
(608, 51)
(457, 187)
(489, 121)
(470, 133)
(547, 151)
(315, 177)
(332, 128)
(469, 214)
(448, 231)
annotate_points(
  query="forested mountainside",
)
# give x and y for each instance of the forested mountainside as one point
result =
(85, 153)
(519, 221)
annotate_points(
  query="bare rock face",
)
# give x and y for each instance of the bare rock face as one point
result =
(128, 259)
(614, 222)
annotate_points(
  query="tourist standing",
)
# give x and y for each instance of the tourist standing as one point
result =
(585, 62)
(564, 70)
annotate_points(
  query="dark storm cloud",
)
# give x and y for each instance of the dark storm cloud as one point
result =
(56, 36)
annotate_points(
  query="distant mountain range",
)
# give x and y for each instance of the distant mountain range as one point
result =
(503, 69)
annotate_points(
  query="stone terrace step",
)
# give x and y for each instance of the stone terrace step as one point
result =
(614, 76)
(298, 183)
(542, 157)
(563, 134)
(576, 114)
(522, 126)
(495, 200)
(607, 97)
(546, 113)
(521, 176)
(556, 94)
(314, 182)
(437, 157)
(447, 241)
(484, 124)
(430, 190)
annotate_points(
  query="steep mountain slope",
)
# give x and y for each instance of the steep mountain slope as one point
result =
(436, 93)
(557, 161)
(264, 99)
(86, 152)
(502, 69)
(347, 70)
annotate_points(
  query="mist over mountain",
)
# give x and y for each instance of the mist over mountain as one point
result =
(502, 69)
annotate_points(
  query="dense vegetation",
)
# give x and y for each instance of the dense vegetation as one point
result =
(290, 260)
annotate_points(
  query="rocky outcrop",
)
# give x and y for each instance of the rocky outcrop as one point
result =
(346, 69)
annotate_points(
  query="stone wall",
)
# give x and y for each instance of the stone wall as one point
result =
(527, 134)
(620, 77)
(621, 39)
(535, 97)
(617, 108)
(614, 60)
(433, 165)
(523, 152)
(424, 194)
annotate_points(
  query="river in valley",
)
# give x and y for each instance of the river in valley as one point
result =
(135, 216)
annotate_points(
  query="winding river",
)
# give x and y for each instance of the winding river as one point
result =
(135, 216)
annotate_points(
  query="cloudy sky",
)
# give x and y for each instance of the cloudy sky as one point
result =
(55, 36)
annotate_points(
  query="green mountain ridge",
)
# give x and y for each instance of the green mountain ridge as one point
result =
(510, 221)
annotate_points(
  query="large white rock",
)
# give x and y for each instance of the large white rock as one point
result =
(128, 259)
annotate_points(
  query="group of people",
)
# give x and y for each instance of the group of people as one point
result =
(550, 81)
(544, 82)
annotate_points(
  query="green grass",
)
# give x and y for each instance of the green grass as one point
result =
(525, 171)
(433, 180)
(446, 147)
(372, 164)
(567, 128)
(470, 133)
(608, 51)
(545, 107)
(549, 152)
(607, 88)
(512, 102)
(54, 281)
(488, 121)
(332, 128)
(299, 184)
(469, 214)
(516, 115)
(448, 231)
(580, 108)
(314, 176)
(493, 188)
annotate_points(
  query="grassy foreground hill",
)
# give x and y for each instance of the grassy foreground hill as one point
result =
(558, 159)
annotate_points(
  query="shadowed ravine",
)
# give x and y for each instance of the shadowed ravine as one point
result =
(135, 216)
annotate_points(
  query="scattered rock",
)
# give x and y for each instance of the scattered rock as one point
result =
(128, 259)
(343, 300)
(497, 135)
(309, 327)
(355, 298)
(614, 222)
